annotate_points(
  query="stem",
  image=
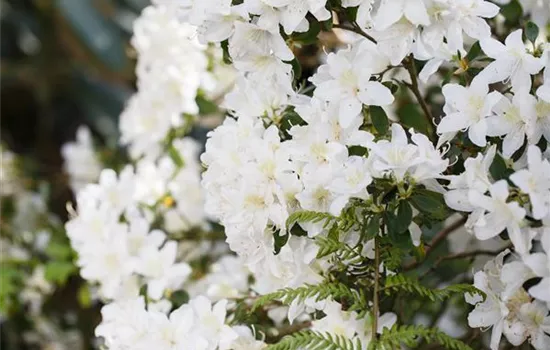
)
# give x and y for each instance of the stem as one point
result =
(356, 29)
(437, 240)
(375, 306)
(411, 68)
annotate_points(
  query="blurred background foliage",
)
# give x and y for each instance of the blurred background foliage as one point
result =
(64, 63)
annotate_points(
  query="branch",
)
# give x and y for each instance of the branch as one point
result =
(438, 238)
(356, 29)
(375, 307)
(411, 68)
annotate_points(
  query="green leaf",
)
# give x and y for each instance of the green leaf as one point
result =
(225, 49)
(474, 52)
(309, 216)
(531, 31)
(179, 298)
(296, 69)
(59, 271)
(498, 169)
(403, 217)
(401, 283)
(379, 119)
(308, 339)
(371, 228)
(206, 106)
(430, 203)
(279, 241)
(410, 336)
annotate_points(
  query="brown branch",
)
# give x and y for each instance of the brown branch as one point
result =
(440, 237)
(356, 29)
(411, 68)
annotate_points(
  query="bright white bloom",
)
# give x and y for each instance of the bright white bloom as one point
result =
(346, 77)
(512, 61)
(539, 263)
(468, 16)
(391, 11)
(468, 108)
(293, 12)
(513, 120)
(197, 325)
(502, 215)
(504, 297)
(396, 156)
(535, 181)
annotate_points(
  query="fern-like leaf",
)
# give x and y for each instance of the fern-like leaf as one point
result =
(337, 291)
(410, 336)
(401, 283)
(309, 216)
(312, 340)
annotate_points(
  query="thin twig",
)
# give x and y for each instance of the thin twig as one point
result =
(411, 68)
(376, 287)
(356, 29)
(437, 240)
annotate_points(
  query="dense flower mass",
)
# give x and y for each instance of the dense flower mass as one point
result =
(352, 139)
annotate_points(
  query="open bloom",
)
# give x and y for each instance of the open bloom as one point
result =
(502, 215)
(468, 108)
(512, 61)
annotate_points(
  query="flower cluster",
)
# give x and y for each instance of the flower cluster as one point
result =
(195, 325)
(326, 201)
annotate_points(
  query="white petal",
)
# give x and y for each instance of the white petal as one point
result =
(375, 94)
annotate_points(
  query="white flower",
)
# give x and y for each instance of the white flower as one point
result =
(535, 181)
(539, 263)
(512, 120)
(391, 11)
(250, 39)
(346, 78)
(502, 215)
(293, 12)
(161, 270)
(512, 61)
(468, 16)
(396, 156)
(503, 298)
(467, 108)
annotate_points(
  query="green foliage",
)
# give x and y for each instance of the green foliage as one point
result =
(531, 31)
(429, 203)
(401, 283)
(309, 216)
(334, 290)
(379, 119)
(410, 336)
(59, 271)
(316, 340)
(344, 252)
(498, 169)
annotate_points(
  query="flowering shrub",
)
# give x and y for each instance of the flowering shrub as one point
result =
(379, 178)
